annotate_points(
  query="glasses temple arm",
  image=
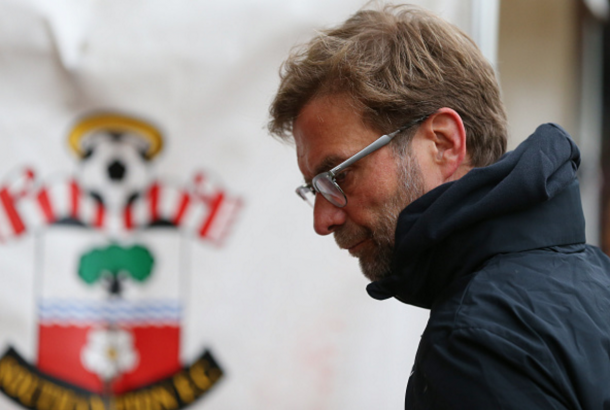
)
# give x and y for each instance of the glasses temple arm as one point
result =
(374, 146)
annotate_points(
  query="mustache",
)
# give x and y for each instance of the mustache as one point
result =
(350, 234)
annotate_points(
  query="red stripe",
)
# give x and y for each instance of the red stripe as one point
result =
(99, 215)
(75, 199)
(128, 217)
(215, 205)
(45, 205)
(9, 206)
(153, 197)
(184, 203)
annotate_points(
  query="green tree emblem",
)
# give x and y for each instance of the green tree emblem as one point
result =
(115, 264)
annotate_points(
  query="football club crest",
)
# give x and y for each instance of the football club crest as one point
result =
(110, 239)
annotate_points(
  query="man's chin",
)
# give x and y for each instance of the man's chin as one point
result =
(375, 268)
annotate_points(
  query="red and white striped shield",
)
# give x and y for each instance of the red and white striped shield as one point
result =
(104, 327)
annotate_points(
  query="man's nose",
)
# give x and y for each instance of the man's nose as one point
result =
(326, 217)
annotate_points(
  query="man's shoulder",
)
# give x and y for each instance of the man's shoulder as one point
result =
(534, 285)
(549, 284)
(543, 294)
(541, 313)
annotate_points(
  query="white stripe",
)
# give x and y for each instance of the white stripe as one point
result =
(31, 213)
(140, 210)
(223, 220)
(87, 209)
(60, 198)
(169, 200)
(194, 216)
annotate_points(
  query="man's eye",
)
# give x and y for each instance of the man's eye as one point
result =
(342, 176)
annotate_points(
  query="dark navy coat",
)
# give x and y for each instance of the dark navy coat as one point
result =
(520, 305)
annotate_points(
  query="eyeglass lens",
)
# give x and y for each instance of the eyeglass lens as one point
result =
(325, 185)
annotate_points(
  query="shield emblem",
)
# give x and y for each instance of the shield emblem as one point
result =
(110, 253)
(109, 311)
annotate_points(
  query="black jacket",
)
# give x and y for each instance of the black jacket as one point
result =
(520, 306)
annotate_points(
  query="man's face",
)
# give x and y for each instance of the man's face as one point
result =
(329, 130)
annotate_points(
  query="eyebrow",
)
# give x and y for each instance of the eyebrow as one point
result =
(326, 165)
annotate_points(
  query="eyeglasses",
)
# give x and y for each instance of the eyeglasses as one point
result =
(326, 183)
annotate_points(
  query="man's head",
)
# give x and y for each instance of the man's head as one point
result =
(370, 76)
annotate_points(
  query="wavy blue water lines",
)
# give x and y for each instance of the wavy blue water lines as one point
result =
(115, 311)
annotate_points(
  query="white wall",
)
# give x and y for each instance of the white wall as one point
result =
(549, 63)
(538, 65)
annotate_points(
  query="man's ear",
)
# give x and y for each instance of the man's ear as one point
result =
(447, 140)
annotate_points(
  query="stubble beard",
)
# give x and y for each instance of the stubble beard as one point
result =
(376, 259)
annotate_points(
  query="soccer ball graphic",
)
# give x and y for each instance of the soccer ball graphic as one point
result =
(115, 152)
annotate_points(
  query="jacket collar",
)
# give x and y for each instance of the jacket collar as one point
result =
(527, 200)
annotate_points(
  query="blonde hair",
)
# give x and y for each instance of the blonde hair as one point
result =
(397, 64)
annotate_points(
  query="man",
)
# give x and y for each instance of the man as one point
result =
(439, 218)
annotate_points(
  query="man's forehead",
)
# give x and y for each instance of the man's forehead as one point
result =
(325, 133)
(316, 154)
